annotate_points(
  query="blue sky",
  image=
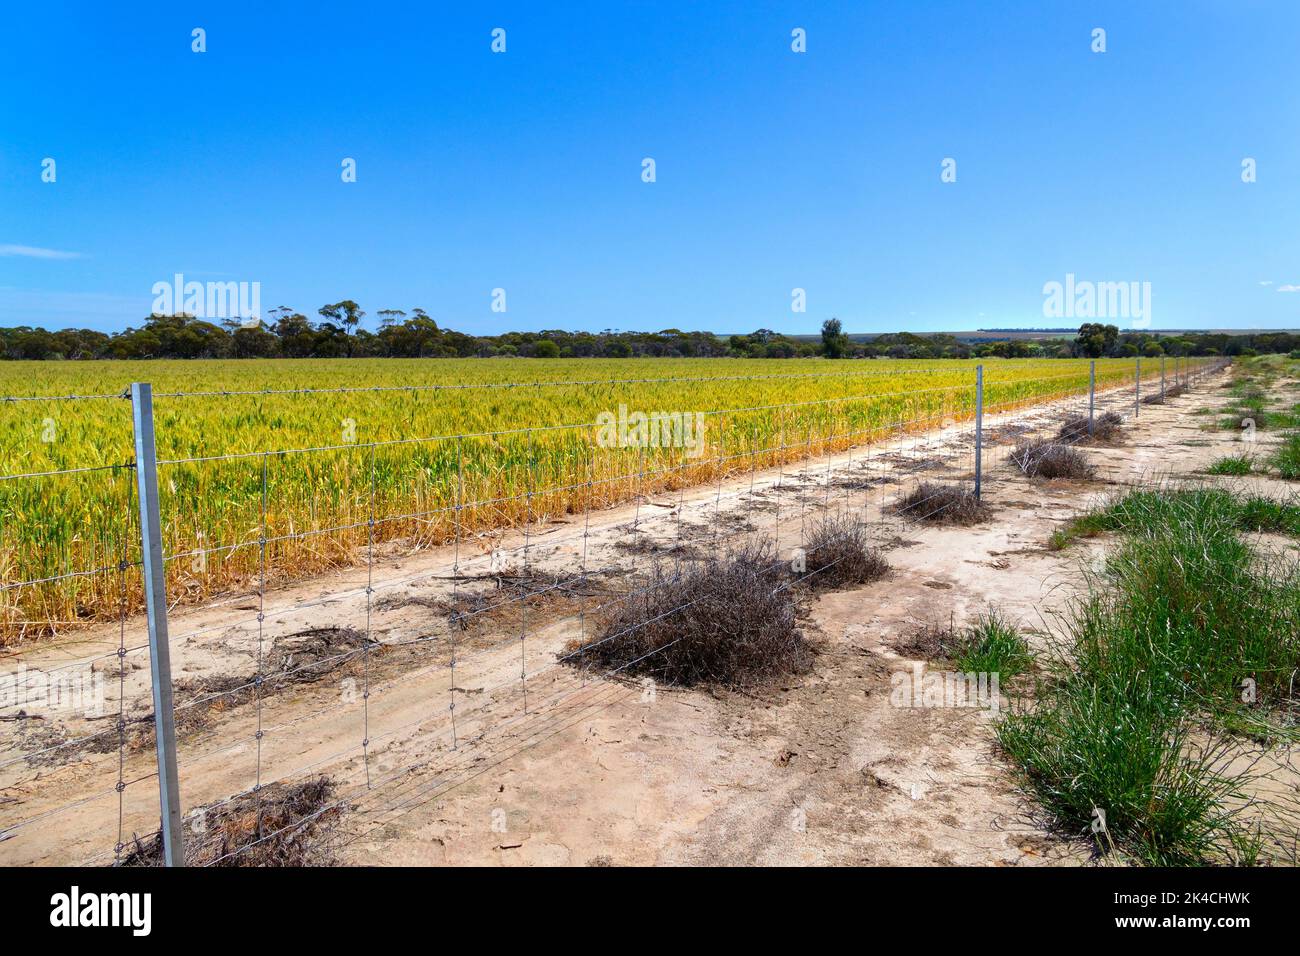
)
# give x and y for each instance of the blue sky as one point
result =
(775, 170)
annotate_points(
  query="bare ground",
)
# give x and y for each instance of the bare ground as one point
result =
(591, 769)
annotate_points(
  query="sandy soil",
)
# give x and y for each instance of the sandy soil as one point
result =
(589, 769)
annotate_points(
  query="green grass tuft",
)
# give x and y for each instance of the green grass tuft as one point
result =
(1231, 465)
(1139, 717)
(994, 646)
(1147, 511)
(1287, 458)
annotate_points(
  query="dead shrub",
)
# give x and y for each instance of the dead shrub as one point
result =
(839, 553)
(489, 600)
(1047, 459)
(1159, 398)
(312, 654)
(304, 657)
(941, 504)
(931, 642)
(280, 825)
(1006, 434)
(727, 621)
(1106, 427)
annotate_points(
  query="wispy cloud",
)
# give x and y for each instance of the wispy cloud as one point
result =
(1288, 288)
(36, 252)
(1266, 282)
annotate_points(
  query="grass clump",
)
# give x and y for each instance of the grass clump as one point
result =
(1106, 428)
(1287, 458)
(993, 645)
(1263, 514)
(939, 503)
(1148, 511)
(1238, 421)
(839, 553)
(1048, 459)
(726, 622)
(1089, 752)
(1193, 605)
(1231, 465)
(1252, 407)
(1136, 721)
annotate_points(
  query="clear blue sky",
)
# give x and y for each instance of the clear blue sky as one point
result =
(775, 170)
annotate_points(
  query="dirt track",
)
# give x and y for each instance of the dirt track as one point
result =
(825, 770)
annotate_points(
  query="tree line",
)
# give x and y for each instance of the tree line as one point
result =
(337, 334)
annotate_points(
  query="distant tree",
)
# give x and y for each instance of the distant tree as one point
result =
(349, 314)
(290, 334)
(835, 344)
(297, 337)
(1095, 340)
(254, 342)
(278, 313)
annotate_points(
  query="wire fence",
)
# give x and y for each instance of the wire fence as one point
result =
(470, 583)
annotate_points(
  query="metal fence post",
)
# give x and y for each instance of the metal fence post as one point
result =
(146, 476)
(979, 428)
(1162, 380)
(1137, 389)
(1092, 393)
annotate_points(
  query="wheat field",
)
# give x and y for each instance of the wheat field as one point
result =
(350, 452)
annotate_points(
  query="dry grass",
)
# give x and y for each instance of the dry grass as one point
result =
(280, 825)
(1156, 398)
(1048, 459)
(839, 554)
(727, 622)
(931, 642)
(291, 660)
(1106, 428)
(942, 504)
(513, 589)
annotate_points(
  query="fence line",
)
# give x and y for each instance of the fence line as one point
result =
(422, 479)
